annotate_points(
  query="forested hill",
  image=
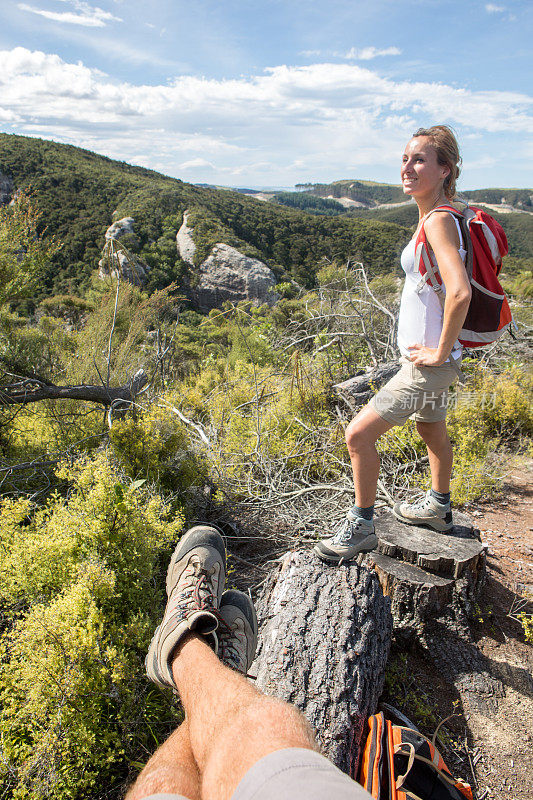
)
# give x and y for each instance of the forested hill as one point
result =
(80, 193)
(372, 194)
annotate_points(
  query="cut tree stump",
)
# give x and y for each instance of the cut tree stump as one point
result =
(426, 573)
(433, 581)
(325, 634)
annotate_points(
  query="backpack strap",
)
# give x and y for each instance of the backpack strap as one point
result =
(423, 252)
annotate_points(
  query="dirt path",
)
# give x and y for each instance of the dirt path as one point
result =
(505, 739)
(494, 749)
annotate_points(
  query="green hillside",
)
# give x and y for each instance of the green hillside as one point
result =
(79, 193)
(361, 191)
(517, 226)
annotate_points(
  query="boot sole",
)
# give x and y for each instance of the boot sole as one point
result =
(443, 527)
(337, 559)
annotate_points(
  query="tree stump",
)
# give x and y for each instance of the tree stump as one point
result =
(433, 581)
(325, 633)
(426, 573)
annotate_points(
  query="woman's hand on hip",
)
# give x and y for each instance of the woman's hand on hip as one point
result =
(425, 356)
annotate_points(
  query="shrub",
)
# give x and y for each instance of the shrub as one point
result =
(492, 414)
(79, 597)
(155, 446)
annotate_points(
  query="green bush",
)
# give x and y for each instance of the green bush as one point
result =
(488, 417)
(81, 594)
(155, 446)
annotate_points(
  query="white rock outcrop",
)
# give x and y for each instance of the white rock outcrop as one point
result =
(227, 274)
(128, 265)
(185, 242)
(119, 228)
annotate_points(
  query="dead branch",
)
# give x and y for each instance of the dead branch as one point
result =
(31, 391)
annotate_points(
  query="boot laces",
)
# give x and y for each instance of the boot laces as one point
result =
(231, 644)
(196, 588)
(345, 531)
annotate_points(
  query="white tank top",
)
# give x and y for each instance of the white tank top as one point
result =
(421, 313)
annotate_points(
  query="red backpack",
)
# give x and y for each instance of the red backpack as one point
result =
(489, 315)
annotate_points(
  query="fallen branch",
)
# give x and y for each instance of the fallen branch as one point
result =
(32, 390)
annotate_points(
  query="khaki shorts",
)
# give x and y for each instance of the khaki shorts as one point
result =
(420, 392)
(291, 774)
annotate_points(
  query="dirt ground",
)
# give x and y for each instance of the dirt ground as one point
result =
(492, 750)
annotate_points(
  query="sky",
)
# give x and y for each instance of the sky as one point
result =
(270, 93)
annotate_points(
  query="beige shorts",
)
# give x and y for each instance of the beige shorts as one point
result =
(418, 392)
(291, 774)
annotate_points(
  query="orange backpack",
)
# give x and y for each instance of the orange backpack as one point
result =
(399, 763)
(489, 315)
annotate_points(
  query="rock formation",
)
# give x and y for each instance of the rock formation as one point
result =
(127, 264)
(185, 242)
(227, 274)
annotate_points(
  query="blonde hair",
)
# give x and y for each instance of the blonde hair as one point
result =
(448, 155)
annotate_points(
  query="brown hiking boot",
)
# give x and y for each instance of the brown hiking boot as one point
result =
(237, 630)
(195, 581)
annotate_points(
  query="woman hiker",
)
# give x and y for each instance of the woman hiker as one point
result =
(430, 355)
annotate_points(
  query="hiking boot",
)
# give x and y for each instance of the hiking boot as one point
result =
(427, 511)
(355, 535)
(195, 581)
(237, 631)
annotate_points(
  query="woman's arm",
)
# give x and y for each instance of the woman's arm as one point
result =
(441, 233)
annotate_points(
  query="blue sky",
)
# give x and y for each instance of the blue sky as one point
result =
(273, 92)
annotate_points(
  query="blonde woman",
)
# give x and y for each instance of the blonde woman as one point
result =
(430, 355)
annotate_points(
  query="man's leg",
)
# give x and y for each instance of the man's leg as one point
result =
(231, 724)
(439, 447)
(172, 768)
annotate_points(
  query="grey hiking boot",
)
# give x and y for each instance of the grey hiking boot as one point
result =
(355, 535)
(237, 630)
(195, 581)
(427, 511)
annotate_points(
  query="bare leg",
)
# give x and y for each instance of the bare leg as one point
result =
(171, 769)
(231, 724)
(361, 436)
(435, 435)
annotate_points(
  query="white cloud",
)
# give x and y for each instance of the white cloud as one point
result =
(197, 163)
(491, 8)
(342, 116)
(354, 53)
(367, 53)
(83, 14)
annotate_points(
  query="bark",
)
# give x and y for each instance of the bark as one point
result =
(31, 390)
(325, 634)
(325, 631)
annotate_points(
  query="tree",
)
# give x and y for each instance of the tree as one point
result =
(23, 252)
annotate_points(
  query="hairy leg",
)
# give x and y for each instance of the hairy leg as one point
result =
(231, 724)
(435, 435)
(171, 769)
(361, 436)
